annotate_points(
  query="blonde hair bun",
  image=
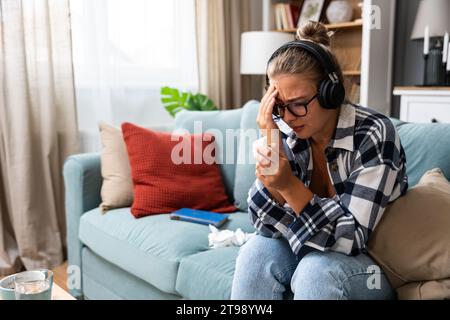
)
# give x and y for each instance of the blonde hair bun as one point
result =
(316, 32)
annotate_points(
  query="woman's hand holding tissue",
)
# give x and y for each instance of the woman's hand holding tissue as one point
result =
(274, 172)
(273, 168)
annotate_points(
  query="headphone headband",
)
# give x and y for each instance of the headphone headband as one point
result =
(316, 50)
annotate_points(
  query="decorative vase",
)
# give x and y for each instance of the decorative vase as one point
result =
(339, 11)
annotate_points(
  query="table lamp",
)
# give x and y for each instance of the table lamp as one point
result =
(257, 47)
(431, 24)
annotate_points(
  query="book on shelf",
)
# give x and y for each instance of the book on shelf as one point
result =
(286, 15)
(290, 18)
(295, 13)
(278, 19)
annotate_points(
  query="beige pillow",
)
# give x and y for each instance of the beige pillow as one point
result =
(412, 241)
(425, 290)
(117, 187)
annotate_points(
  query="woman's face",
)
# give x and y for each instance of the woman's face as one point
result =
(299, 88)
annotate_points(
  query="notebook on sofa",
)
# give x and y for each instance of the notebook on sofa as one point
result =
(200, 216)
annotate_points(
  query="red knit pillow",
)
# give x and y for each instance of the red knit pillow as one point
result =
(160, 185)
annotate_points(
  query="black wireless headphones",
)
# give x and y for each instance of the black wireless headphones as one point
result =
(331, 92)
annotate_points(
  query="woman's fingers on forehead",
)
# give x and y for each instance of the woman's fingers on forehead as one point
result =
(263, 100)
(266, 99)
(270, 105)
(266, 105)
(263, 104)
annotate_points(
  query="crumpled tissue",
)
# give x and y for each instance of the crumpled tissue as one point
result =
(226, 238)
(261, 142)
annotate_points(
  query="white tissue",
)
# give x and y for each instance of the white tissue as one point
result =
(274, 157)
(226, 238)
(261, 142)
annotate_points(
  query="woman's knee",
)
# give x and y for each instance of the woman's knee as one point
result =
(333, 275)
(261, 255)
(314, 278)
(264, 267)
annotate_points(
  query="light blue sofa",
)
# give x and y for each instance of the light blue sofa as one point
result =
(121, 257)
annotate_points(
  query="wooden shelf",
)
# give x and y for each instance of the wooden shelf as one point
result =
(345, 25)
(424, 88)
(335, 26)
(351, 72)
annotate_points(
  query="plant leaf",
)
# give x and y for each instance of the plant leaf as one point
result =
(174, 101)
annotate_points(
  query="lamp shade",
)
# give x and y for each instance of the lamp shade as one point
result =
(435, 14)
(257, 47)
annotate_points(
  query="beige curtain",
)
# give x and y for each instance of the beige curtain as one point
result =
(38, 130)
(219, 27)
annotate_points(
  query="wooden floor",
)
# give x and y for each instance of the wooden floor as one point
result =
(60, 276)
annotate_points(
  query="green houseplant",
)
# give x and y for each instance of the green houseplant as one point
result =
(175, 101)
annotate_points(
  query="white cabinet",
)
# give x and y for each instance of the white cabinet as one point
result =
(424, 104)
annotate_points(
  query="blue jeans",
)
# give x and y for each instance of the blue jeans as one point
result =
(267, 269)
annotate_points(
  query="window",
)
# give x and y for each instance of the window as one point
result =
(124, 51)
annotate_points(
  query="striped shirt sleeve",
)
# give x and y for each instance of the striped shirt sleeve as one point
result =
(268, 217)
(344, 225)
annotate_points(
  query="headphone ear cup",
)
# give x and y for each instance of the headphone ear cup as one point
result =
(338, 94)
(331, 95)
(320, 95)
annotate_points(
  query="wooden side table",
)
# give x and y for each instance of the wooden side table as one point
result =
(59, 293)
(424, 104)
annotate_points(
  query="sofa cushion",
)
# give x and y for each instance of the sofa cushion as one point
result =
(103, 280)
(412, 240)
(151, 247)
(425, 290)
(163, 183)
(245, 168)
(217, 123)
(426, 147)
(207, 275)
(117, 186)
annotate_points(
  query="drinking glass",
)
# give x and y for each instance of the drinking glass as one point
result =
(34, 285)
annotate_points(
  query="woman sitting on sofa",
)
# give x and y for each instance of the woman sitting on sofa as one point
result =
(339, 165)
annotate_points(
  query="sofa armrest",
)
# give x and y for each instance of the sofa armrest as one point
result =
(82, 181)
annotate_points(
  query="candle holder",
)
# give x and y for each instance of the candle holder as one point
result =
(431, 23)
(425, 69)
(433, 72)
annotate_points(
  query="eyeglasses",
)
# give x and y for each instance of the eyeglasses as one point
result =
(298, 109)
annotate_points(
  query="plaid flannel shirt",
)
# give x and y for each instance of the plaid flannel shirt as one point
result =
(366, 165)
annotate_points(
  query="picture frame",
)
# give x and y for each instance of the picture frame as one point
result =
(310, 10)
